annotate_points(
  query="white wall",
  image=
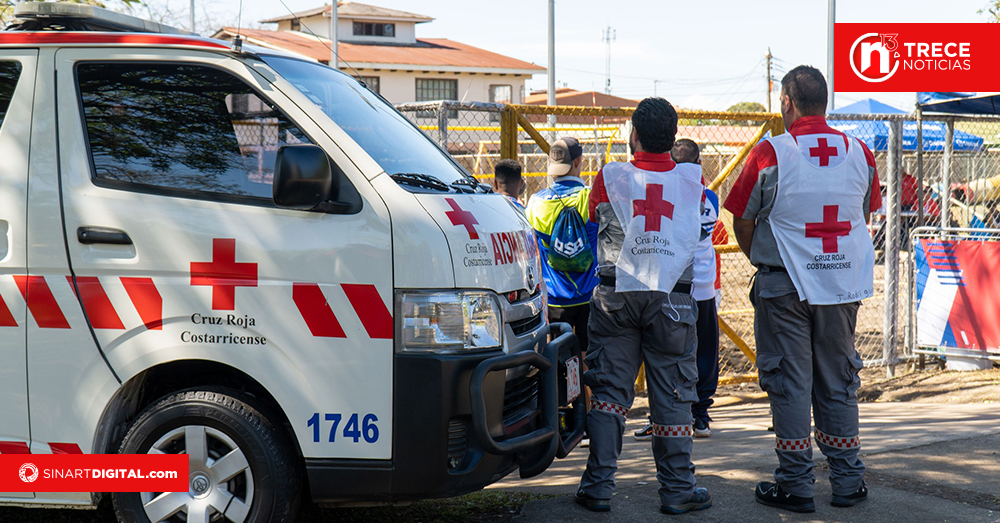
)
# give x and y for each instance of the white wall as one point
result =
(401, 86)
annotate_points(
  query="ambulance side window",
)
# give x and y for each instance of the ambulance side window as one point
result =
(181, 130)
(9, 73)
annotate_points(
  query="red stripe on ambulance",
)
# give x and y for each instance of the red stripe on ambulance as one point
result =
(100, 312)
(6, 318)
(371, 310)
(41, 302)
(14, 447)
(147, 301)
(316, 311)
(65, 448)
(20, 447)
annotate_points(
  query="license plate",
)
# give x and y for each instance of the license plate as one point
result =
(572, 378)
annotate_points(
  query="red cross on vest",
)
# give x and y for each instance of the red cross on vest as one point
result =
(829, 229)
(464, 218)
(822, 151)
(224, 274)
(653, 207)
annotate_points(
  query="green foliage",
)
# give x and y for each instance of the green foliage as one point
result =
(992, 11)
(742, 107)
(748, 107)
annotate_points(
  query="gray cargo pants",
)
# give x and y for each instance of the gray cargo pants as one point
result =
(627, 329)
(806, 352)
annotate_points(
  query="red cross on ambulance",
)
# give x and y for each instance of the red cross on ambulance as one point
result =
(829, 229)
(461, 217)
(653, 207)
(224, 274)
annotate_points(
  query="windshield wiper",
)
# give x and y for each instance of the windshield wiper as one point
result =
(423, 181)
(468, 182)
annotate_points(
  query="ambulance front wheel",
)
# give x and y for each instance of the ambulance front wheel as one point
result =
(242, 468)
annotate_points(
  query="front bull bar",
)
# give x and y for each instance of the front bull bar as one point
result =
(548, 399)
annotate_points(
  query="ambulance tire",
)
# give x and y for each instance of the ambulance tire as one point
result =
(231, 421)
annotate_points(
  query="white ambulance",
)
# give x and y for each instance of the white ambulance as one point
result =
(250, 258)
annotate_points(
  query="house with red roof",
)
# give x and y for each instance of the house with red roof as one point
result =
(380, 46)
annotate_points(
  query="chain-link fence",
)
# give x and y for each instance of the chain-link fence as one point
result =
(915, 188)
(478, 135)
(472, 134)
(945, 172)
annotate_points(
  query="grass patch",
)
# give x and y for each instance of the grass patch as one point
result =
(477, 507)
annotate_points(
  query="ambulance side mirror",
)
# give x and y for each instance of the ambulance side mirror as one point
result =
(302, 177)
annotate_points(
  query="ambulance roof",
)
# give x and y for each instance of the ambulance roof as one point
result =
(65, 24)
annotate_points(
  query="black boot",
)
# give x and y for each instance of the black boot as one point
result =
(772, 495)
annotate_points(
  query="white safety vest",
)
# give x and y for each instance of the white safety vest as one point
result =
(818, 221)
(660, 213)
(704, 261)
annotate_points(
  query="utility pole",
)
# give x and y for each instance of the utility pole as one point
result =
(551, 95)
(334, 61)
(608, 36)
(654, 86)
(831, 16)
(768, 57)
(192, 16)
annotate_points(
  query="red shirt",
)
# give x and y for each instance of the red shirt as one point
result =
(762, 156)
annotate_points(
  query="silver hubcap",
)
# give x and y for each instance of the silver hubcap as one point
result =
(220, 484)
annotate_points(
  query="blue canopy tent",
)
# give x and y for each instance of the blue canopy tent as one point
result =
(875, 134)
(959, 103)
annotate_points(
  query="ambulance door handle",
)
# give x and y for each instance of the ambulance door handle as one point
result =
(92, 235)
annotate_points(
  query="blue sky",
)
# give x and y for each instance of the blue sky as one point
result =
(698, 54)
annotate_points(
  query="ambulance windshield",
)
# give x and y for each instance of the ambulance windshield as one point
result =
(397, 145)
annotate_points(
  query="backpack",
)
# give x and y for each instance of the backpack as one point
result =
(569, 244)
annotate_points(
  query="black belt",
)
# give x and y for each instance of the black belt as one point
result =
(773, 268)
(683, 288)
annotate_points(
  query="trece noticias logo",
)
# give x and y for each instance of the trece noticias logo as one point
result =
(914, 57)
(875, 57)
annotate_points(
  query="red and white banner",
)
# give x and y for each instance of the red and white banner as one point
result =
(94, 473)
(915, 57)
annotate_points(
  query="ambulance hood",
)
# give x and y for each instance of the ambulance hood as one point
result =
(492, 244)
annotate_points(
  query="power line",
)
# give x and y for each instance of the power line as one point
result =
(693, 81)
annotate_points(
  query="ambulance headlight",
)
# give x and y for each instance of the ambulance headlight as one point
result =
(449, 321)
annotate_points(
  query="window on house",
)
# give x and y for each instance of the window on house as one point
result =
(501, 94)
(296, 24)
(374, 29)
(371, 81)
(429, 90)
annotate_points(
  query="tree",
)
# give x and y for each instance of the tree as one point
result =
(745, 107)
(992, 11)
(750, 107)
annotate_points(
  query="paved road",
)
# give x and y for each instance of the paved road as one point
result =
(927, 462)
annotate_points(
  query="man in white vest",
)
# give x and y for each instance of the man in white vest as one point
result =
(799, 210)
(648, 211)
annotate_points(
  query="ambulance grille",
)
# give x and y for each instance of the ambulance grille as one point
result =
(520, 398)
(526, 325)
(457, 443)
